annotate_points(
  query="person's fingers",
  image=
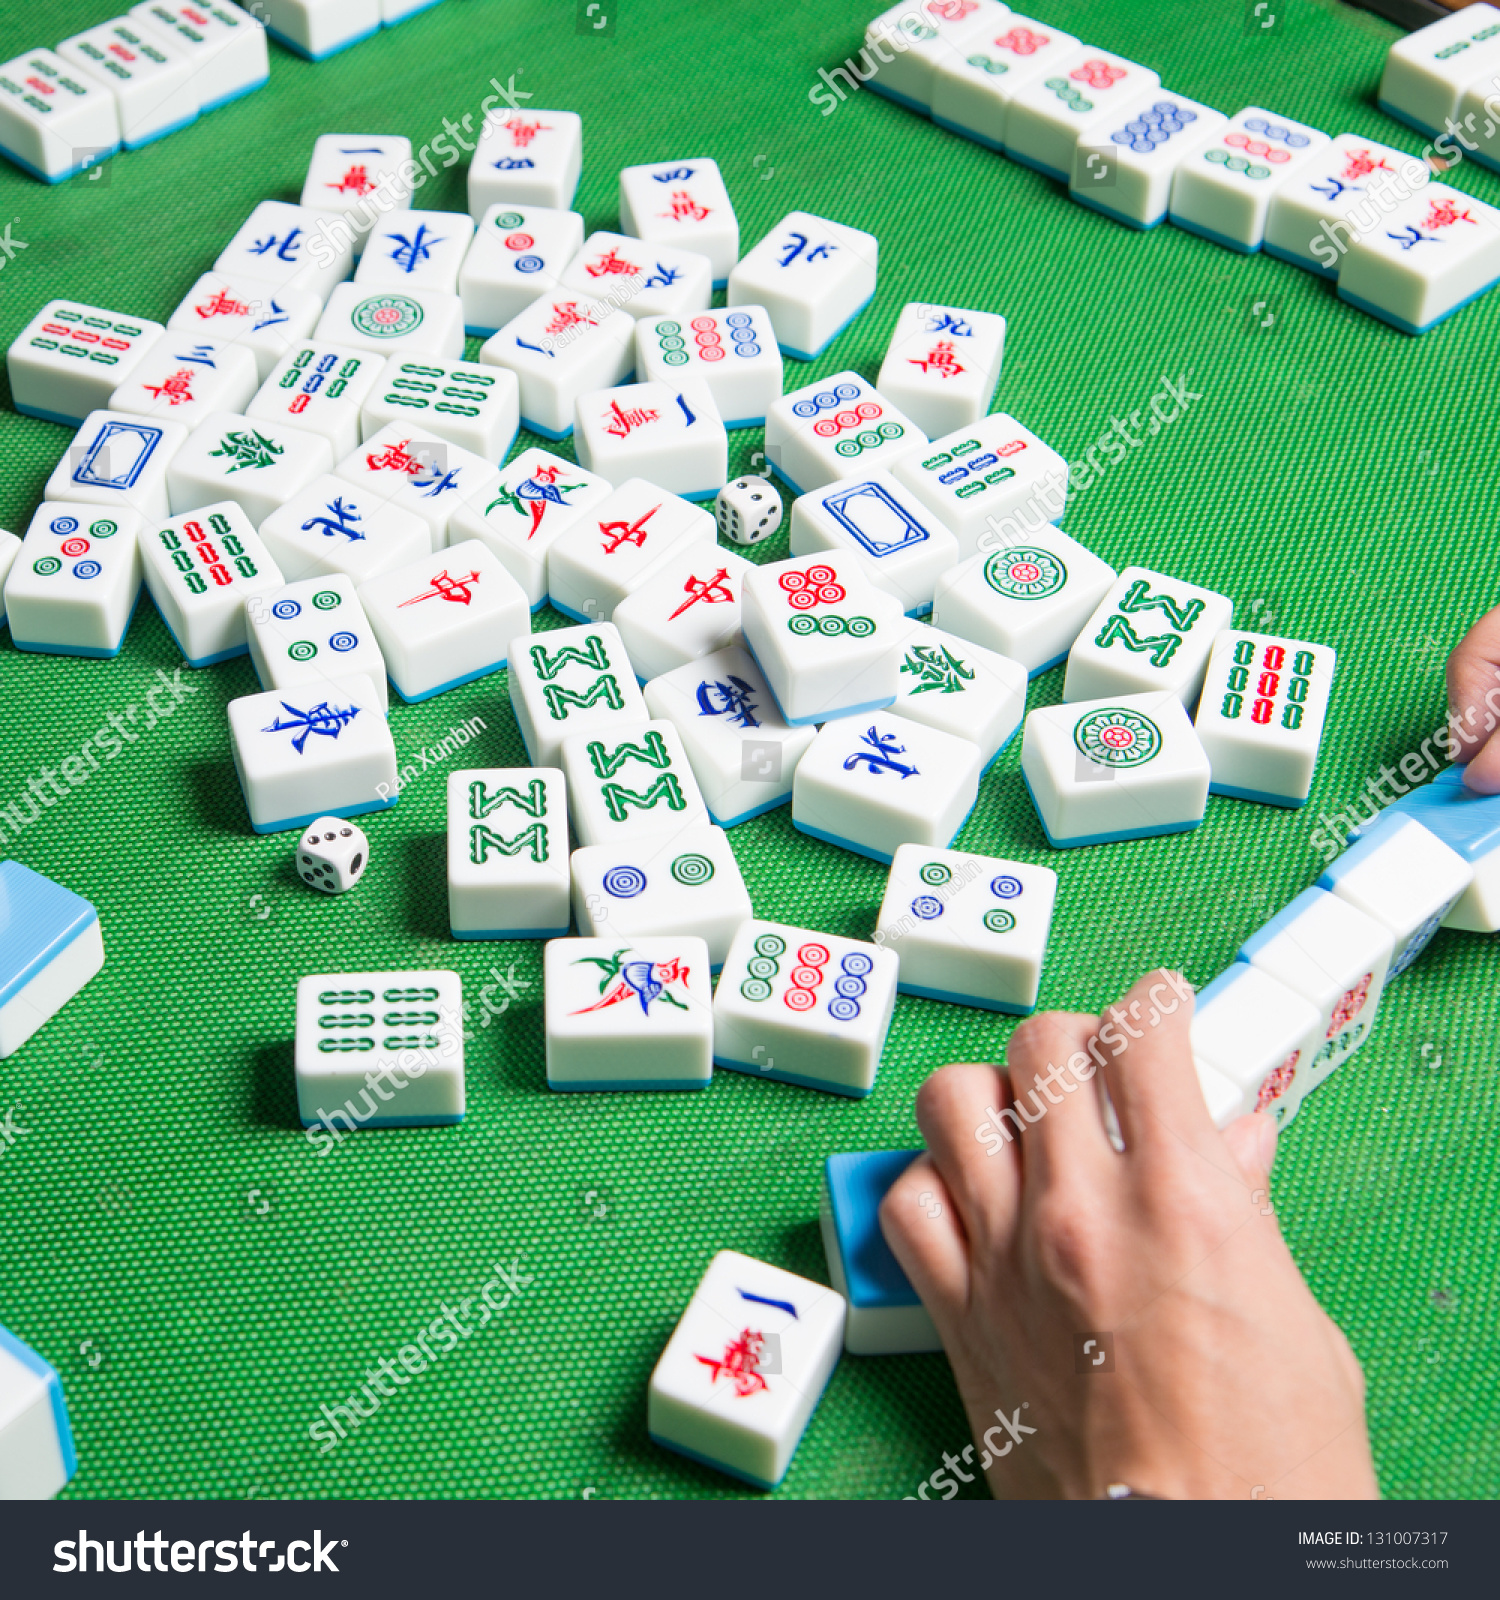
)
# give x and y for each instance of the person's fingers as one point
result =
(1474, 701)
(963, 1112)
(1252, 1143)
(1057, 1100)
(921, 1225)
(1149, 1070)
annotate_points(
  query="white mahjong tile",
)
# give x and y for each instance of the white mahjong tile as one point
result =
(518, 255)
(682, 203)
(630, 782)
(74, 582)
(961, 688)
(1082, 92)
(745, 1368)
(317, 29)
(804, 1007)
(347, 168)
(508, 864)
(70, 358)
(119, 461)
(526, 158)
(733, 351)
(238, 308)
(54, 122)
(972, 88)
(225, 46)
(152, 80)
(37, 1455)
(290, 246)
(687, 882)
(655, 280)
(1149, 632)
(259, 465)
(942, 364)
(1427, 71)
(320, 387)
(310, 631)
(967, 928)
(1124, 166)
(628, 1014)
(477, 408)
(813, 277)
(688, 607)
(10, 547)
(559, 347)
(330, 526)
(742, 750)
(203, 569)
(572, 680)
(668, 433)
(835, 426)
(1261, 1035)
(906, 44)
(184, 379)
(418, 472)
(394, 321)
(417, 250)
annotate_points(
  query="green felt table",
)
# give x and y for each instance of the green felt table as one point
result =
(204, 1281)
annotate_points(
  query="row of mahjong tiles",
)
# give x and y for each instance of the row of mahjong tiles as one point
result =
(1299, 1000)
(1346, 208)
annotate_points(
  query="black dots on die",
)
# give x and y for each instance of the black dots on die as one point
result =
(345, 833)
(357, 862)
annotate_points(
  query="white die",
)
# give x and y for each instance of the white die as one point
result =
(1260, 718)
(527, 158)
(182, 380)
(1086, 90)
(804, 1007)
(733, 351)
(1334, 955)
(572, 680)
(413, 470)
(508, 875)
(1427, 71)
(990, 482)
(1261, 1035)
(1382, 274)
(259, 465)
(743, 752)
(474, 407)
(896, 539)
(832, 428)
(54, 122)
(118, 461)
(1314, 215)
(332, 855)
(748, 510)
(275, 245)
(969, 929)
(416, 250)
(10, 547)
(518, 255)
(311, 631)
(630, 782)
(203, 569)
(1125, 768)
(446, 619)
(225, 46)
(559, 347)
(357, 1031)
(972, 88)
(1124, 167)
(539, 496)
(75, 580)
(942, 365)
(1404, 876)
(688, 607)
(631, 1016)
(237, 308)
(317, 29)
(813, 277)
(659, 281)
(612, 549)
(826, 638)
(330, 527)
(686, 882)
(745, 1368)
(319, 387)
(669, 433)
(875, 782)
(1178, 624)
(1028, 600)
(70, 358)
(320, 749)
(392, 321)
(1223, 188)
(682, 203)
(346, 167)
(960, 688)
(154, 86)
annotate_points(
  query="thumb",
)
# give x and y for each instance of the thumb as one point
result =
(1252, 1143)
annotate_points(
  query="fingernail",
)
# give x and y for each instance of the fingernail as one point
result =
(1265, 1141)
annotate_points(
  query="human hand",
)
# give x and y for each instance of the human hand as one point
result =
(1474, 702)
(1229, 1381)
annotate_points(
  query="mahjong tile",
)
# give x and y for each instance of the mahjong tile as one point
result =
(417, 250)
(237, 308)
(429, 477)
(687, 608)
(559, 347)
(655, 280)
(346, 168)
(572, 680)
(682, 203)
(183, 379)
(75, 580)
(508, 864)
(1082, 92)
(312, 630)
(70, 358)
(526, 158)
(320, 387)
(1261, 1035)
(477, 408)
(833, 427)
(812, 276)
(628, 783)
(910, 41)
(1427, 71)
(153, 82)
(260, 465)
(518, 255)
(942, 365)
(225, 46)
(972, 88)
(669, 433)
(1124, 166)
(733, 351)
(394, 321)
(54, 121)
(290, 246)
(119, 461)
(330, 526)
(959, 687)
(50, 947)
(317, 29)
